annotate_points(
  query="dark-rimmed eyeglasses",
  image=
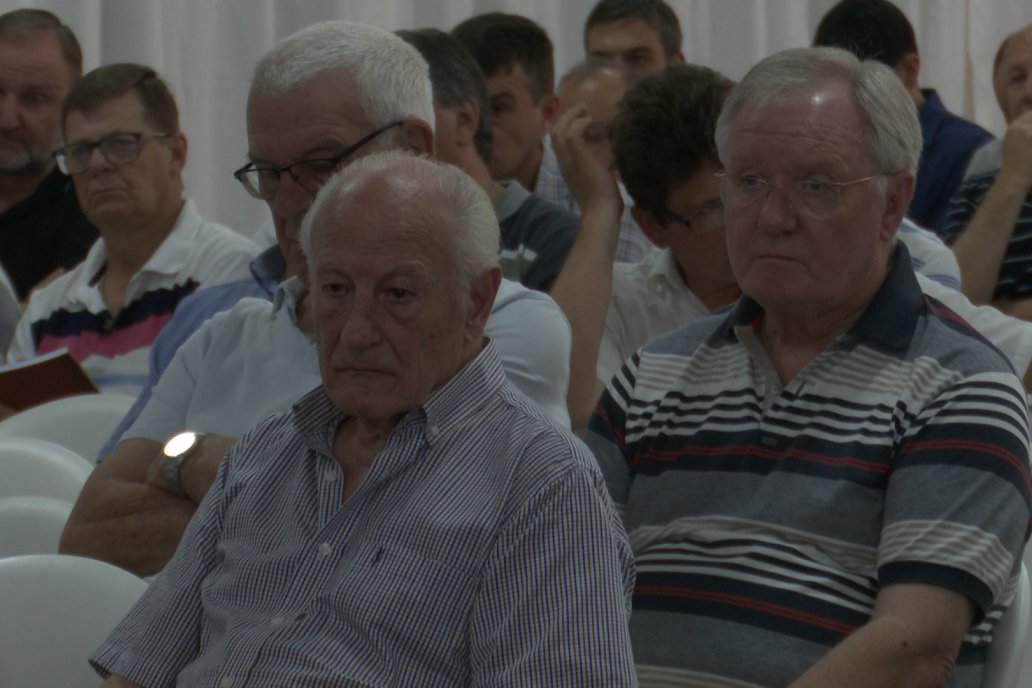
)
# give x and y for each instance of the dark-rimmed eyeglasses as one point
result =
(819, 197)
(117, 149)
(706, 219)
(263, 182)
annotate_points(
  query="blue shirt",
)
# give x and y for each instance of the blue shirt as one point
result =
(949, 142)
(481, 549)
(267, 269)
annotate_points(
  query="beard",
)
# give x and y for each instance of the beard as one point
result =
(17, 157)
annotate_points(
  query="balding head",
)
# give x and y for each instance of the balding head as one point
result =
(1012, 74)
(403, 261)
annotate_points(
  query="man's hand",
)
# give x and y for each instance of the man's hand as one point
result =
(1016, 167)
(591, 184)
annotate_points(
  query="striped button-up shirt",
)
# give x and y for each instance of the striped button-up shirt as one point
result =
(480, 549)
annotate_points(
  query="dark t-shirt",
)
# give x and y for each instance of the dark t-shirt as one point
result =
(44, 232)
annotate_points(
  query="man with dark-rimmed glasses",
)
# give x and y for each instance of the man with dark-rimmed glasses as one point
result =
(125, 155)
(306, 116)
(828, 483)
(305, 119)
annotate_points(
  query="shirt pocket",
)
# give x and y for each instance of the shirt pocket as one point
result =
(408, 605)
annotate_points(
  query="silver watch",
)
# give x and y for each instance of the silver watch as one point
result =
(177, 450)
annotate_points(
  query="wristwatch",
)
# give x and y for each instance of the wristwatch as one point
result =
(177, 450)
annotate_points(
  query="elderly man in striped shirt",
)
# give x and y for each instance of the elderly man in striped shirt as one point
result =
(414, 521)
(828, 484)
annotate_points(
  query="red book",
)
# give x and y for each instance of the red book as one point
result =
(42, 379)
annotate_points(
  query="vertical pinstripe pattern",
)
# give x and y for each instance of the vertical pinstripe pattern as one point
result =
(765, 518)
(481, 549)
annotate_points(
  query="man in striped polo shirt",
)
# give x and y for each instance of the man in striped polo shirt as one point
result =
(827, 485)
(414, 520)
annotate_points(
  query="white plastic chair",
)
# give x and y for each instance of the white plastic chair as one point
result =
(31, 525)
(82, 423)
(1010, 640)
(31, 467)
(55, 610)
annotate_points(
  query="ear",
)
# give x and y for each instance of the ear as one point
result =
(898, 193)
(417, 136)
(649, 226)
(482, 295)
(467, 120)
(908, 69)
(549, 112)
(676, 58)
(178, 146)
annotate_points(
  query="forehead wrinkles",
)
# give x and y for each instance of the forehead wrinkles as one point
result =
(824, 119)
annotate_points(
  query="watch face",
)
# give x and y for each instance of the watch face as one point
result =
(180, 443)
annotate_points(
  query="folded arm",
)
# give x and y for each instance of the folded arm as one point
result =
(127, 517)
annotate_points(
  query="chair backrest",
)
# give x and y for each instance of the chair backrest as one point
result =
(82, 423)
(1010, 640)
(31, 467)
(55, 610)
(31, 525)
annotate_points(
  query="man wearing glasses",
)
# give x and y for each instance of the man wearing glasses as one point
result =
(125, 154)
(827, 484)
(307, 116)
(662, 140)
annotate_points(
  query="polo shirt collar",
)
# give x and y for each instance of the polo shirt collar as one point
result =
(889, 319)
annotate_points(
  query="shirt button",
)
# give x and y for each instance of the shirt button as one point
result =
(330, 476)
(277, 621)
(325, 549)
(434, 431)
(226, 682)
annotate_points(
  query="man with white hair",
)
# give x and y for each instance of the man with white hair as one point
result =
(413, 520)
(828, 484)
(322, 97)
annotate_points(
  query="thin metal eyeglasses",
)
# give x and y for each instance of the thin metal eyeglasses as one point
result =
(817, 196)
(702, 221)
(118, 149)
(310, 175)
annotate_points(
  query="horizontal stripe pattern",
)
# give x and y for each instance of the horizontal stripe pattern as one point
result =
(1013, 280)
(769, 516)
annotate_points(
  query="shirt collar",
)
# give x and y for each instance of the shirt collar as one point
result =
(515, 195)
(288, 293)
(889, 319)
(930, 115)
(170, 258)
(268, 268)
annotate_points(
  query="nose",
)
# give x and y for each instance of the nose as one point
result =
(776, 213)
(292, 200)
(97, 161)
(361, 328)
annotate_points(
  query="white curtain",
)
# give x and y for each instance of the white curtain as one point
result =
(206, 50)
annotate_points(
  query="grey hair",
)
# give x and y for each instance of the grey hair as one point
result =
(393, 79)
(436, 192)
(895, 132)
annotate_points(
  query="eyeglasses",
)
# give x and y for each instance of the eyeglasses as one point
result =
(704, 220)
(117, 149)
(310, 175)
(817, 196)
